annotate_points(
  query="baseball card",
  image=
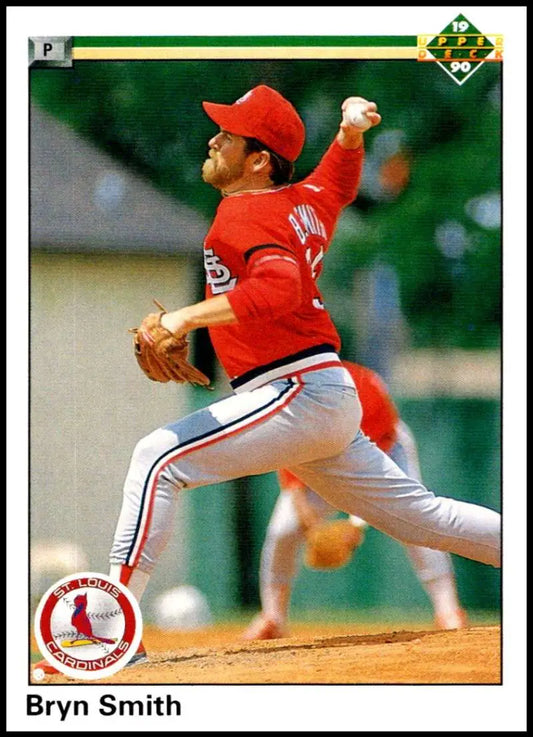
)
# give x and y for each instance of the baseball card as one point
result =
(258, 448)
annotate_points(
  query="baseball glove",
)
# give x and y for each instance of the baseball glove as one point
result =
(331, 544)
(163, 356)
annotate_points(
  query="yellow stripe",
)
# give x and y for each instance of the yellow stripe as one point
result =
(76, 643)
(82, 53)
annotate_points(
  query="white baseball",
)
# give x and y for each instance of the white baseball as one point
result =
(38, 674)
(182, 608)
(356, 116)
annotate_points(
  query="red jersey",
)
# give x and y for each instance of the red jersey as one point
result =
(290, 228)
(380, 416)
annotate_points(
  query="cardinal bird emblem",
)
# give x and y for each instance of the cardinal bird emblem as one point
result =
(84, 629)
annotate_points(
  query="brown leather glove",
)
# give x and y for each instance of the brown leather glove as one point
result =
(331, 544)
(163, 356)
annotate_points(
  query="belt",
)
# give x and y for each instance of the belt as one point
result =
(306, 360)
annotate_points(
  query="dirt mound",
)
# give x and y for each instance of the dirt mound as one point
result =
(324, 654)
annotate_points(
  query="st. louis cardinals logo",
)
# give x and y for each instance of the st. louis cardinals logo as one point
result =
(88, 626)
(218, 275)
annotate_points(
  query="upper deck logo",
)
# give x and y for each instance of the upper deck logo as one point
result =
(88, 626)
(460, 49)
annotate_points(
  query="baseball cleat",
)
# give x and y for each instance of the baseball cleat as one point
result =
(264, 629)
(455, 620)
(45, 667)
(139, 657)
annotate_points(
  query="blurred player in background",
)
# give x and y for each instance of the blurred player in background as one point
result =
(299, 510)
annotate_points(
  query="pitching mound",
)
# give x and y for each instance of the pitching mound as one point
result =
(325, 654)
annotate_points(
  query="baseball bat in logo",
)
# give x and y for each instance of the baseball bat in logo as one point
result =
(88, 626)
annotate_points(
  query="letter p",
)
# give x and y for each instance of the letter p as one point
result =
(51, 51)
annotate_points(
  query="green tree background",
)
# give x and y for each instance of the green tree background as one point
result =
(437, 222)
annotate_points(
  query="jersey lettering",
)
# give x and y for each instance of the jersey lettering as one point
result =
(306, 222)
(217, 274)
(302, 235)
(315, 262)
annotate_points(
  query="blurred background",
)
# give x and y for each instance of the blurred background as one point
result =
(413, 281)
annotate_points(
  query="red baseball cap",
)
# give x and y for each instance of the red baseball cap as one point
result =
(264, 114)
